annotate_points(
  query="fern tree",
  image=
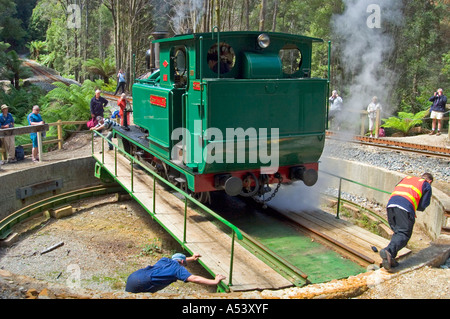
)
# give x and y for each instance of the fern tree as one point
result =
(36, 48)
(405, 121)
(103, 68)
(14, 70)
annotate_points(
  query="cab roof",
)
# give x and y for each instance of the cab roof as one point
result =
(278, 35)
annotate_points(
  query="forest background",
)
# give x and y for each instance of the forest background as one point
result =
(395, 49)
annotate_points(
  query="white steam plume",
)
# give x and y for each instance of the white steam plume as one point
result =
(363, 46)
(187, 11)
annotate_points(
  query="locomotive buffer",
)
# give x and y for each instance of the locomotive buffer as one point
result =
(202, 235)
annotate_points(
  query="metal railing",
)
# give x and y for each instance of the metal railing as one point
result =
(235, 232)
(339, 197)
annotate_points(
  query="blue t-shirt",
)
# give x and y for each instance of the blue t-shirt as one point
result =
(156, 277)
(121, 77)
(32, 117)
(6, 120)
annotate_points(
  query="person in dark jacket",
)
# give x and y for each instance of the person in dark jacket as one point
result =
(437, 110)
(409, 195)
(165, 272)
(98, 104)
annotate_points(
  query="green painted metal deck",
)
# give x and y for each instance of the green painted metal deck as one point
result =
(202, 236)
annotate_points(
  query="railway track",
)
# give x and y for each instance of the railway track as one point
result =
(428, 150)
(26, 212)
(301, 254)
(46, 76)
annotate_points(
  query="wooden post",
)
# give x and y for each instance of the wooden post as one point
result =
(60, 134)
(377, 124)
(39, 140)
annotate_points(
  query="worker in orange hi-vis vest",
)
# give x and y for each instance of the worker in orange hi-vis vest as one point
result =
(411, 194)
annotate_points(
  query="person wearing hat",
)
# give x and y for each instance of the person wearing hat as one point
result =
(165, 272)
(7, 121)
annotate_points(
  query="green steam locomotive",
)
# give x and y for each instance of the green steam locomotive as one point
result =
(232, 111)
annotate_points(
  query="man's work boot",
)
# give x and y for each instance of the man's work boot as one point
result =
(387, 259)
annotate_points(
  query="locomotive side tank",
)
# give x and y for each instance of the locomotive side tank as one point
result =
(232, 111)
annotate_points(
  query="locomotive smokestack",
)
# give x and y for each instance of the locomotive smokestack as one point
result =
(152, 54)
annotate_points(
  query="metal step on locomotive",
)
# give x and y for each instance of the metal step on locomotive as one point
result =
(229, 111)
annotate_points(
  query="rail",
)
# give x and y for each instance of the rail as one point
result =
(235, 231)
(22, 214)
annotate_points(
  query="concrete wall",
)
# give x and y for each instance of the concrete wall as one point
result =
(75, 173)
(431, 219)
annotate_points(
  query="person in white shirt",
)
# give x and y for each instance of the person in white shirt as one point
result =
(372, 113)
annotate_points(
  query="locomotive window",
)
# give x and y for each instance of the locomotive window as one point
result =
(291, 59)
(227, 58)
(179, 61)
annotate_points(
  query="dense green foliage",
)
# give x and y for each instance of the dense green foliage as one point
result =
(405, 121)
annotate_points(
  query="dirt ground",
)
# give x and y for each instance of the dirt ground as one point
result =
(105, 240)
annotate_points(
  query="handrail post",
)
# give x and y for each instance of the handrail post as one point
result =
(154, 194)
(339, 198)
(230, 282)
(103, 150)
(132, 182)
(115, 161)
(185, 220)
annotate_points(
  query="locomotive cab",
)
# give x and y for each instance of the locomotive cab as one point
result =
(221, 102)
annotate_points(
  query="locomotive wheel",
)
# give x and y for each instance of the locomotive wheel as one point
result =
(202, 197)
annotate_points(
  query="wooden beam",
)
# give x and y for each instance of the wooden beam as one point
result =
(24, 130)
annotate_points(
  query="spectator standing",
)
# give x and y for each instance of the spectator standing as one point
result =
(372, 113)
(7, 121)
(335, 111)
(98, 104)
(121, 81)
(124, 115)
(437, 110)
(34, 118)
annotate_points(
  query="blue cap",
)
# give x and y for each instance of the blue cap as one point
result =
(179, 256)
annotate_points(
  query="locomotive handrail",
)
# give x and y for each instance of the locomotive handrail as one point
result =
(235, 231)
(218, 49)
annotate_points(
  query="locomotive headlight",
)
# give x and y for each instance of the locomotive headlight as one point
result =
(263, 40)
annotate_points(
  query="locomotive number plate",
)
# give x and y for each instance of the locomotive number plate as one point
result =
(158, 100)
